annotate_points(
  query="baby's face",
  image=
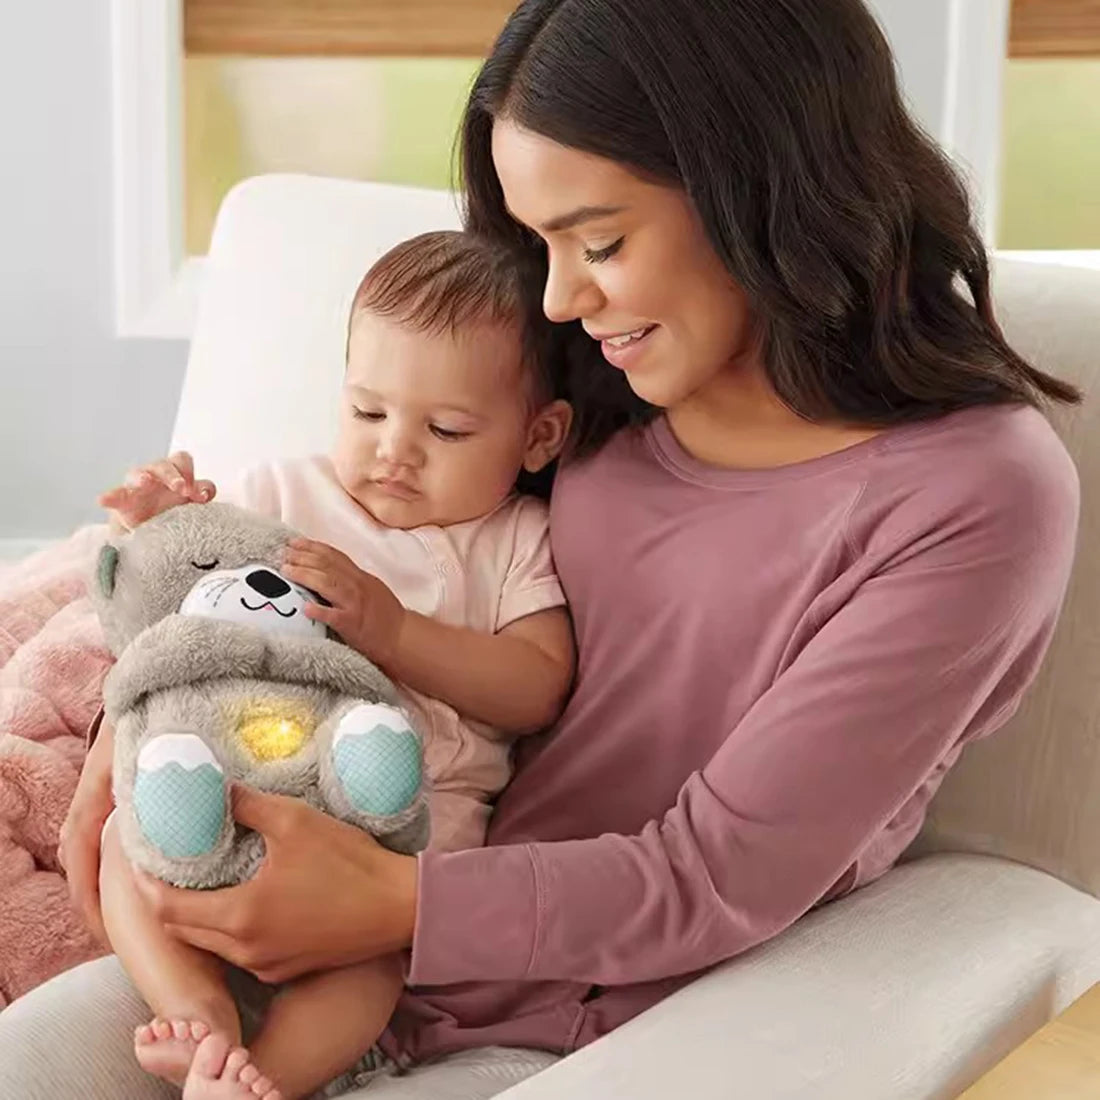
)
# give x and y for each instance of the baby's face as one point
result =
(433, 427)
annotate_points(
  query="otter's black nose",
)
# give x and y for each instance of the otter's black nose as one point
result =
(267, 584)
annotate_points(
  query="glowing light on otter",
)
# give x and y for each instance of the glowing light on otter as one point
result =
(271, 736)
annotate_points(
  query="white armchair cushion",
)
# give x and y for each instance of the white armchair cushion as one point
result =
(909, 990)
(267, 358)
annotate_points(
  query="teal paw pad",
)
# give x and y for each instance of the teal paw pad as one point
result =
(179, 796)
(377, 759)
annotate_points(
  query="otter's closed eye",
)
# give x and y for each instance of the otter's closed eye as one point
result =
(206, 565)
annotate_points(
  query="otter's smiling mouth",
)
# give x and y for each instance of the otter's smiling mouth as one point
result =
(267, 603)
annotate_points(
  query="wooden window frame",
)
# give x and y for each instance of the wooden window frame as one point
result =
(1054, 28)
(335, 28)
(466, 28)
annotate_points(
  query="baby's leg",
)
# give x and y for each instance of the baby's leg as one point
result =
(185, 987)
(321, 1025)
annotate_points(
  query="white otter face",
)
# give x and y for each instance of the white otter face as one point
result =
(255, 596)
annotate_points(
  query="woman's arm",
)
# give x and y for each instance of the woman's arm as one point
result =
(327, 894)
(934, 649)
(78, 844)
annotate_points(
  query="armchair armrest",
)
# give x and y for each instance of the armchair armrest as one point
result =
(909, 989)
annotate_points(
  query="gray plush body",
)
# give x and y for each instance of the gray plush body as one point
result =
(221, 679)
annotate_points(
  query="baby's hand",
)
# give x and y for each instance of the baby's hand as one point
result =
(363, 611)
(149, 490)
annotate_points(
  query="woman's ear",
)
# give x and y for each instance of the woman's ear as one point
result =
(547, 434)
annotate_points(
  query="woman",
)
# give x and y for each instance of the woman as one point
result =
(810, 484)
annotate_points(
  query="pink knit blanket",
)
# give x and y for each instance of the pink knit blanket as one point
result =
(52, 663)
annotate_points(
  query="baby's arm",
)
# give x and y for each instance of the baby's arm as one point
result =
(516, 680)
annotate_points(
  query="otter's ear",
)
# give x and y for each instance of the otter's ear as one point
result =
(105, 571)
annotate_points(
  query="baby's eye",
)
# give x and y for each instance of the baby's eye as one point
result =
(367, 414)
(206, 566)
(448, 435)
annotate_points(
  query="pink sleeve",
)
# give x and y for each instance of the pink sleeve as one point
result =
(934, 647)
(531, 583)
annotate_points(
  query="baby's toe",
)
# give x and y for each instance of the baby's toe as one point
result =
(237, 1060)
(210, 1058)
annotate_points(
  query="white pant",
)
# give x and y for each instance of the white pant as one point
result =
(73, 1039)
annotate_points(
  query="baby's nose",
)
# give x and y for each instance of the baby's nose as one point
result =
(399, 447)
(268, 584)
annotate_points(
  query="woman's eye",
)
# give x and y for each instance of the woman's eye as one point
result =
(206, 566)
(598, 255)
(366, 414)
(448, 435)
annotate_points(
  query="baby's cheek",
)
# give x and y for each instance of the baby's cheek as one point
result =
(353, 444)
(351, 470)
(491, 478)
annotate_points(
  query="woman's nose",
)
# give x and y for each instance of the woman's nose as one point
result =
(570, 295)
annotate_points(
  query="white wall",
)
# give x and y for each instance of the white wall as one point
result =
(951, 55)
(918, 31)
(77, 406)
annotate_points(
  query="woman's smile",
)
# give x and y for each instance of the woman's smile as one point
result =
(624, 350)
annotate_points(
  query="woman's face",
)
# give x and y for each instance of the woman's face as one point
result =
(631, 261)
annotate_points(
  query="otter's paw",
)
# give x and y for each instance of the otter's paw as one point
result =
(179, 795)
(377, 760)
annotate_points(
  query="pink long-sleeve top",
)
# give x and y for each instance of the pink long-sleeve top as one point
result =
(776, 668)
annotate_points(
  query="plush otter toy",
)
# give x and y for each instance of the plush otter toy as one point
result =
(222, 678)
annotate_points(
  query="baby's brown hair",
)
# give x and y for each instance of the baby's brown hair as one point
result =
(437, 282)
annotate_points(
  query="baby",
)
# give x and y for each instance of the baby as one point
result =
(447, 401)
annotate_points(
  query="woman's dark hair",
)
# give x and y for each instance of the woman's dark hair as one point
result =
(845, 224)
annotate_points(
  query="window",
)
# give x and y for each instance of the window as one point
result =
(1050, 175)
(369, 89)
(208, 92)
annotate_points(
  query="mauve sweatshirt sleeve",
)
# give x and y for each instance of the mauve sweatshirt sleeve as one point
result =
(934, 646)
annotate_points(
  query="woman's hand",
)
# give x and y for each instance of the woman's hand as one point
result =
(149, 490)
(363, 611)
(78, 849)
(326, 895)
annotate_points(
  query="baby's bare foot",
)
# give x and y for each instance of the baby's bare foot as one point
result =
(221, 1072)
(165, 1047)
